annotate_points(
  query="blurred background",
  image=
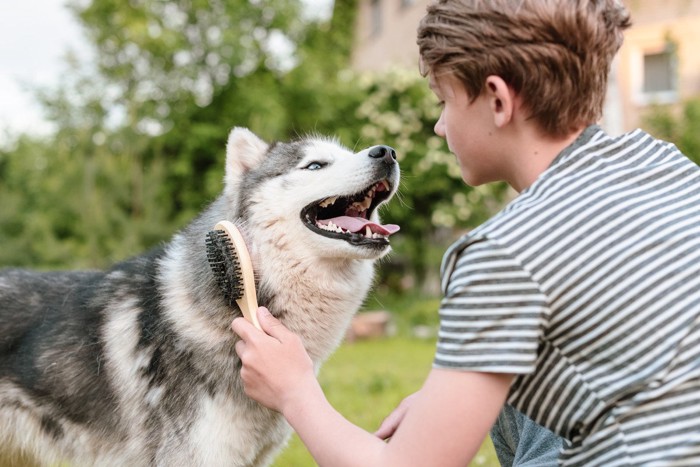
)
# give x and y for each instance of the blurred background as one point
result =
(114, 116)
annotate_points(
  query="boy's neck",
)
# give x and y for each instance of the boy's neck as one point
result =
(533, 153)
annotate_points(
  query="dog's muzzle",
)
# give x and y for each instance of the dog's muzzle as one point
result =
(347, 217)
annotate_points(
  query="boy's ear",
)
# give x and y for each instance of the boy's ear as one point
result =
(501, 100)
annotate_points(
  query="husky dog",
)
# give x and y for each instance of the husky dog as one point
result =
(136, 365)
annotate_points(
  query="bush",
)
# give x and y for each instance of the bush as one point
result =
(682, 128)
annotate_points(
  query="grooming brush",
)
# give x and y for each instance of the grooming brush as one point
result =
(230, 261)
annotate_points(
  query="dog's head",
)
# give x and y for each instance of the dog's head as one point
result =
(312, 194)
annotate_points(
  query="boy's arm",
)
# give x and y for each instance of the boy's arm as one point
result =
(445, 425)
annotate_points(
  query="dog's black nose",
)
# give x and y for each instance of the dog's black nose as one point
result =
(383, 152)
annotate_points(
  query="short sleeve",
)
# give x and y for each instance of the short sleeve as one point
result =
(493, 313)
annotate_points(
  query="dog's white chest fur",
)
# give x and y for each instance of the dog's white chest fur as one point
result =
(240, 441)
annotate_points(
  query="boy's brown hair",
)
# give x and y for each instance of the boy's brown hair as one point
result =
(555, 54)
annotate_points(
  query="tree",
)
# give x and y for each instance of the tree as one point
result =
(163, 57)
(104, 190)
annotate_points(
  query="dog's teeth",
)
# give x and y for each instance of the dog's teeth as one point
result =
(368, 232)
(386, 185)
(328, 201)
(331, 227)
(361, 206)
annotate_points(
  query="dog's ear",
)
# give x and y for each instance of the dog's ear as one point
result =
(244, 151)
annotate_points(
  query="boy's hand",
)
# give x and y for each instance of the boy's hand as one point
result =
(393, 420)
(276, 369)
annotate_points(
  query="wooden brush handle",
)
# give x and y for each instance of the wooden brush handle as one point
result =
(248, 303)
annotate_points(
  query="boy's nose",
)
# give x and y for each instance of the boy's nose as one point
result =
(439, 127)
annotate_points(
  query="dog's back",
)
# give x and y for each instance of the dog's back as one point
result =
(49, 346)
(53, 377)
(92, 372)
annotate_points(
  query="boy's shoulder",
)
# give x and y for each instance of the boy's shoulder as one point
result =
(596, 162)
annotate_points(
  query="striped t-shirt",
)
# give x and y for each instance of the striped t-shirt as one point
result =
(587, 287)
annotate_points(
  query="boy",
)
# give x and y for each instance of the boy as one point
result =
(578, 304)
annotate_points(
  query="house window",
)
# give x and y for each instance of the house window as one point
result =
(654, 76)
(659, 73)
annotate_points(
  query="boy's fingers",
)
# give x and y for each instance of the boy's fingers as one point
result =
(271, 325)
(388, 427)
(393, 420)
(240, 347)
(242, 327)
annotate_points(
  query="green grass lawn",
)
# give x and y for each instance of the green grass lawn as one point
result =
(366, 380)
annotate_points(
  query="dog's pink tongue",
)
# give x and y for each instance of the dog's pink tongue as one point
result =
(357, 224)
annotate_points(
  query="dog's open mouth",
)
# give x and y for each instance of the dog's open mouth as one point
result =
(347, 217)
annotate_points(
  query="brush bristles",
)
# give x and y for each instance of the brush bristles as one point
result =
(224, 263)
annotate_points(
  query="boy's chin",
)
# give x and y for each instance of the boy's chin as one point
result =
(474, 180)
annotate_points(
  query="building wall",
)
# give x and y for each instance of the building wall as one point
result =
(659, 25)
(392, 42)
(386, 36)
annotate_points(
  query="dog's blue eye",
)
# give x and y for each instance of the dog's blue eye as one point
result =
(314, 166)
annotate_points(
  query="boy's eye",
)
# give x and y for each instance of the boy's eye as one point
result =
(315, 166)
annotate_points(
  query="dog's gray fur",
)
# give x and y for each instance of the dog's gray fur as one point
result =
(136, 365)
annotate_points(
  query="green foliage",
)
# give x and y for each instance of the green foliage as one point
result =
(166, 56)
(682, 128)
(410, 309)
(140, 140)
(63, 207)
